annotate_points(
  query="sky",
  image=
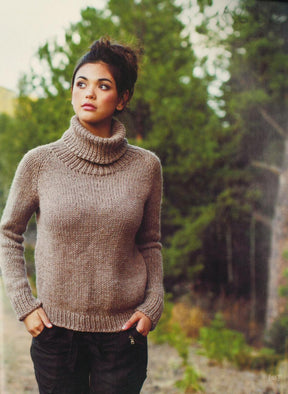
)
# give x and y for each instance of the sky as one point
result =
(27, 24)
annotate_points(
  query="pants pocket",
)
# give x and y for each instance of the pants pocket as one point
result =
(121, 365)
(55, 355)
(138, 337)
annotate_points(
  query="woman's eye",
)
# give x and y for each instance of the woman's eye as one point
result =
(81, 84)
(104, 87)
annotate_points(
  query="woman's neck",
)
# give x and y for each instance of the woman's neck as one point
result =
(102, 130)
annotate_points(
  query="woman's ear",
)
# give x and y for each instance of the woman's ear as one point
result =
(123, 101)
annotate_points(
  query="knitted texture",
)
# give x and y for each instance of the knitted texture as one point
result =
(98, 251)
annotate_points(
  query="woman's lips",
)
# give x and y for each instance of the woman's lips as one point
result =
(88, 107)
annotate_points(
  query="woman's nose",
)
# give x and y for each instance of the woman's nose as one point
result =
(90, 94)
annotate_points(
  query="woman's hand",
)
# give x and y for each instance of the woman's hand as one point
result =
(36, 321)
(144, 324)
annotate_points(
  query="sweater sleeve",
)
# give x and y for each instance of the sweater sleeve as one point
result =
(148, 242)
(22, 202)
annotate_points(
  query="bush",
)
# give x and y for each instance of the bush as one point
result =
(190, 319)
(29, 257)
(283, 290)
(169, 331)
(278, 335)
(191, 381)
(265, 359)
(220, 343)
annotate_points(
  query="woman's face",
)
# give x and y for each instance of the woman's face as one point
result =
(95, 98)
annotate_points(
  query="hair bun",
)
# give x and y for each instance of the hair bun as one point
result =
(121, 59)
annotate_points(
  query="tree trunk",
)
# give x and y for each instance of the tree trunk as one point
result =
(229, 254)
(252, 271)
(279, 243)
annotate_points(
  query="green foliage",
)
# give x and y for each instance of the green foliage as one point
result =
(30, 267)
(283, 290)
(258, 64)
(265, 359)
(167, 332)
(171, 333)
(169, 113)
(254, 100)
(285, 255)
(211, 184)
(277, 337)
(186, 241)
(220, 343)
(190, 383)
(29, 258)
(162, 332)
(6, 126)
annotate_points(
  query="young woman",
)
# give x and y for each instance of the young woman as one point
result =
(98, 253)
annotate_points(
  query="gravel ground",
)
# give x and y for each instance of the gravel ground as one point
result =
(17, 376)
(165, 370)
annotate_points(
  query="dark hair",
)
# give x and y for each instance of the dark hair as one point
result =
(121, 60)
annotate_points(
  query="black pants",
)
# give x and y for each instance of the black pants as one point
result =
(70, 362)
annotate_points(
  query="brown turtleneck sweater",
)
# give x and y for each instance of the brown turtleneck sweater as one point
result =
(98, 252)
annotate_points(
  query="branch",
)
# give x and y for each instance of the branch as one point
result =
(265, 166)
(259, 217)
(272, 122)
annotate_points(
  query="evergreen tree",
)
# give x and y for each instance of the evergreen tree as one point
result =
(169, 114)
(255, 104)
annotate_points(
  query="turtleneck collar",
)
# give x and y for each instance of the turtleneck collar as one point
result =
(97, 150)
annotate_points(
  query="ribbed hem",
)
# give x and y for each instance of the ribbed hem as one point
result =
(87, 323)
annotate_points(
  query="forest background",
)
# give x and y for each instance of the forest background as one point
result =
(217, 121)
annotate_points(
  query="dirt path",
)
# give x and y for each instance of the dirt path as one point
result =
(164, 369)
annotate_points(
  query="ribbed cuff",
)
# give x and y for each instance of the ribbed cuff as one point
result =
(152, 308)
(24, 303)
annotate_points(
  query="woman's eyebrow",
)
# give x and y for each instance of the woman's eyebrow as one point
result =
(80, 76)
(99, 79)
(104, 79)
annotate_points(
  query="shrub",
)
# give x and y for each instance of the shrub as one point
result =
(283, 290)
(29, 257)
(278, 335)
(220, 343)
(190, 319)
(169, 331)
(265, 359)
(190, 383)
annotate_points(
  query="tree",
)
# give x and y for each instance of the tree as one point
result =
(255, 104)
(169, 114)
